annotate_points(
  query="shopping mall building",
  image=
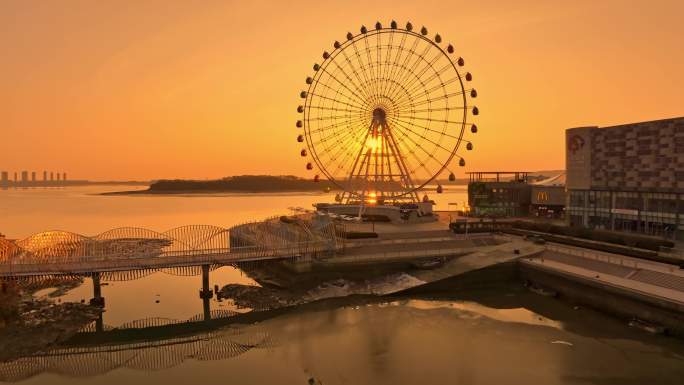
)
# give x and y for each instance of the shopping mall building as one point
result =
(627, 178)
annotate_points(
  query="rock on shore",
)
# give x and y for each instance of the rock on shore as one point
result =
(257, 297)
(267, 298)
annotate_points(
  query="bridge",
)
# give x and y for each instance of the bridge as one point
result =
(135, 249)
(130, 253)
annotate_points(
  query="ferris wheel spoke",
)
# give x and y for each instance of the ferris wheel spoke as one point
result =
(407, 110)
(357, 106)
(459, 138)
(352, 102)
(356, 75)
(407, 70)
(356, 159)
(411, 72)
(441, 121)
(345, 128)
(335, 124)
(439, 85)
(421, 162)
(339, 147)
(340, 152)
(358, 97)
(401, 160)
(400, 67)
(438, 72)
(426, 97)
(386, 62)
(338, 155)
(324, 108)
(363, 71)
(411, 85)
(409, 129)
(342, 144)
(330, 117)
(428, 65)
(438, 98)
(378, 51)
(406, 100)
(371, 67)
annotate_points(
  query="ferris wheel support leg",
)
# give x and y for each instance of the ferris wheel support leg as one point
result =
(356, 163)
(406, 176)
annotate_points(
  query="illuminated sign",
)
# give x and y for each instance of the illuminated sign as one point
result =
(542, 196)
(575, 143)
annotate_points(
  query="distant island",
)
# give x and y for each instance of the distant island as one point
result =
(263, 184)
(234, 184)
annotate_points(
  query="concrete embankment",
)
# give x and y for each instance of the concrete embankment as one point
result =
(629, 288)
(647, 292)
(377, 270)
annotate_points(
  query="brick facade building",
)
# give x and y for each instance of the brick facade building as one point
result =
(628, 177)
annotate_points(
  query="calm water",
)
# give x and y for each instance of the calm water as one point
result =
(503, 336)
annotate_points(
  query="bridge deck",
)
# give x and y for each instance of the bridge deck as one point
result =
(84, 265)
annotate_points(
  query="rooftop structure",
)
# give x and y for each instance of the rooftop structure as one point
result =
(498, 176)
(499, 193)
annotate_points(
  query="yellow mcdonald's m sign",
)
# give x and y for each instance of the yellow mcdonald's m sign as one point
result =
(542, 196)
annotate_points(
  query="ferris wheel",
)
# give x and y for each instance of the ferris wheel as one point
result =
(385, 113)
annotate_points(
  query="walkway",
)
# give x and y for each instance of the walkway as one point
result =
(648, 278)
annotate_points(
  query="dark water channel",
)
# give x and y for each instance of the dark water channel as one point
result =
(494, 335)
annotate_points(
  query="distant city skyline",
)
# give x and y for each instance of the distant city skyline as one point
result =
(210, 90)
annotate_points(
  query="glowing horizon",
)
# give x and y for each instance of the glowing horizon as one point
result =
(155, 90)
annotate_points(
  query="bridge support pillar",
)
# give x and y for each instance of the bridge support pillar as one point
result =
(98, 299)
(205, 293)
(99, 324)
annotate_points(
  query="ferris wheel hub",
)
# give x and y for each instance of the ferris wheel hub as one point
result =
(379, 116)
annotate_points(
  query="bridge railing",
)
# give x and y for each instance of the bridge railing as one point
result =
(82, 265)
(271, 238)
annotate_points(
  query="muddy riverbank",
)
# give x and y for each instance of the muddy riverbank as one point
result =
(31, 325)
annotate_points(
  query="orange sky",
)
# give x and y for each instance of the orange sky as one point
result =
(161, 89)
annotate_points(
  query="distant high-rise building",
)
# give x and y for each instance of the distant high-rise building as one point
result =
(45, 176)
(52, 176)
(16, 179)
(24, 177)
(57, 177)
(4, 178)
(63, 177)
(33, 176)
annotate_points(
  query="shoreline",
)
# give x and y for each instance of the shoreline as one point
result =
(212, 192)
(230, 192)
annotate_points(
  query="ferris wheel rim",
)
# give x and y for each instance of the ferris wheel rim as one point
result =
(339, 49)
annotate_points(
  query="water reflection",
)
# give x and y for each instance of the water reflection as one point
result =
(160, 295)
(404, 341)
(162, 347)
(520, 315)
